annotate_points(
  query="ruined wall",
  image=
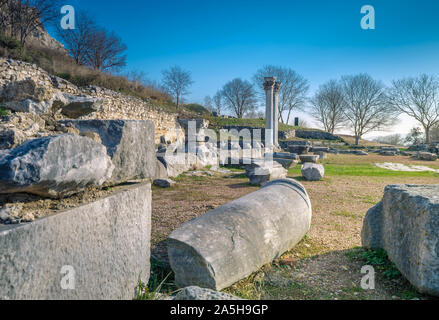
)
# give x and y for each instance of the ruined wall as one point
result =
(22, 81)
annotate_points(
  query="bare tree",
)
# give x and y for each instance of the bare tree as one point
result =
(367, 108)
(328, 106)
(239, 97)
(78, 41)
(105, 51)
(208, 104)
(177, 82)
(27, 16)
(418, 98)
(4, 16)
(292, 95)
(218, 102)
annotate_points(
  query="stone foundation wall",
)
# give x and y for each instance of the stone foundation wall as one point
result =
(317, 135)
(14, 75)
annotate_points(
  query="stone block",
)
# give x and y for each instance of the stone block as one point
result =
(107, 243)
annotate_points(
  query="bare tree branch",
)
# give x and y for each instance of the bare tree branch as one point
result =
(292, 95)
(328, 106)
(105, 51)
(418, 98)
(239, 97)
(78, 40)
(367, 108)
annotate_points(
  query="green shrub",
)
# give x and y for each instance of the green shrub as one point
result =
(379, 259)
(3, 112)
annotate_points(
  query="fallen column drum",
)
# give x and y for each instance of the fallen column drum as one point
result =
(231, 242)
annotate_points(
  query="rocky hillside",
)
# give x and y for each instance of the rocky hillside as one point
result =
(36, 100)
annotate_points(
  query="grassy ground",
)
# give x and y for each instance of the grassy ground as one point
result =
(327, 263)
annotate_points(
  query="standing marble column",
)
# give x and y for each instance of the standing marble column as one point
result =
(277, 87)
(269, 114)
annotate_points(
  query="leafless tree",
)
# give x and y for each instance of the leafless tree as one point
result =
(328, 106)
(239, 97)
(208, 104)
(27, 16)
(367, 107)
(105, 51)
(4, 16)
(292, 95)
(419, 98)
(177, 82)
(218, 102)
(78, 41)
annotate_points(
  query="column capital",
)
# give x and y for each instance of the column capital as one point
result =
(277, 87)
(269, 83)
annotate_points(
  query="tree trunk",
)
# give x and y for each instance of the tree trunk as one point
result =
(357, 140)
(427, 135)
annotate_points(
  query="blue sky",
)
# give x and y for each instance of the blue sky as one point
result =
(221, 40)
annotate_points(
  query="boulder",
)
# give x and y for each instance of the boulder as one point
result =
(164, 183)
(388, 153)
(207, 155)
(231, 242)
(130, 145)
(426, 156)
(286, 163)
(54, 166)
(75, 107)
(406, 225)
(177, 163)
(160, 171)
(262, 172)
(197, 293)
(309, 158)
(10, 138)
(313, 172)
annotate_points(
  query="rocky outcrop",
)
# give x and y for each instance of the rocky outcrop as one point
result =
(229, 243)
(129, 143)
(427, 156)
(406, 225)
(54, 166)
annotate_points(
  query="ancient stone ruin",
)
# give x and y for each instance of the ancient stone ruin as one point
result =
(229, 243)
(406, 224)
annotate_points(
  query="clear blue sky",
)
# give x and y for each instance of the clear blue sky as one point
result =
(220, 40)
